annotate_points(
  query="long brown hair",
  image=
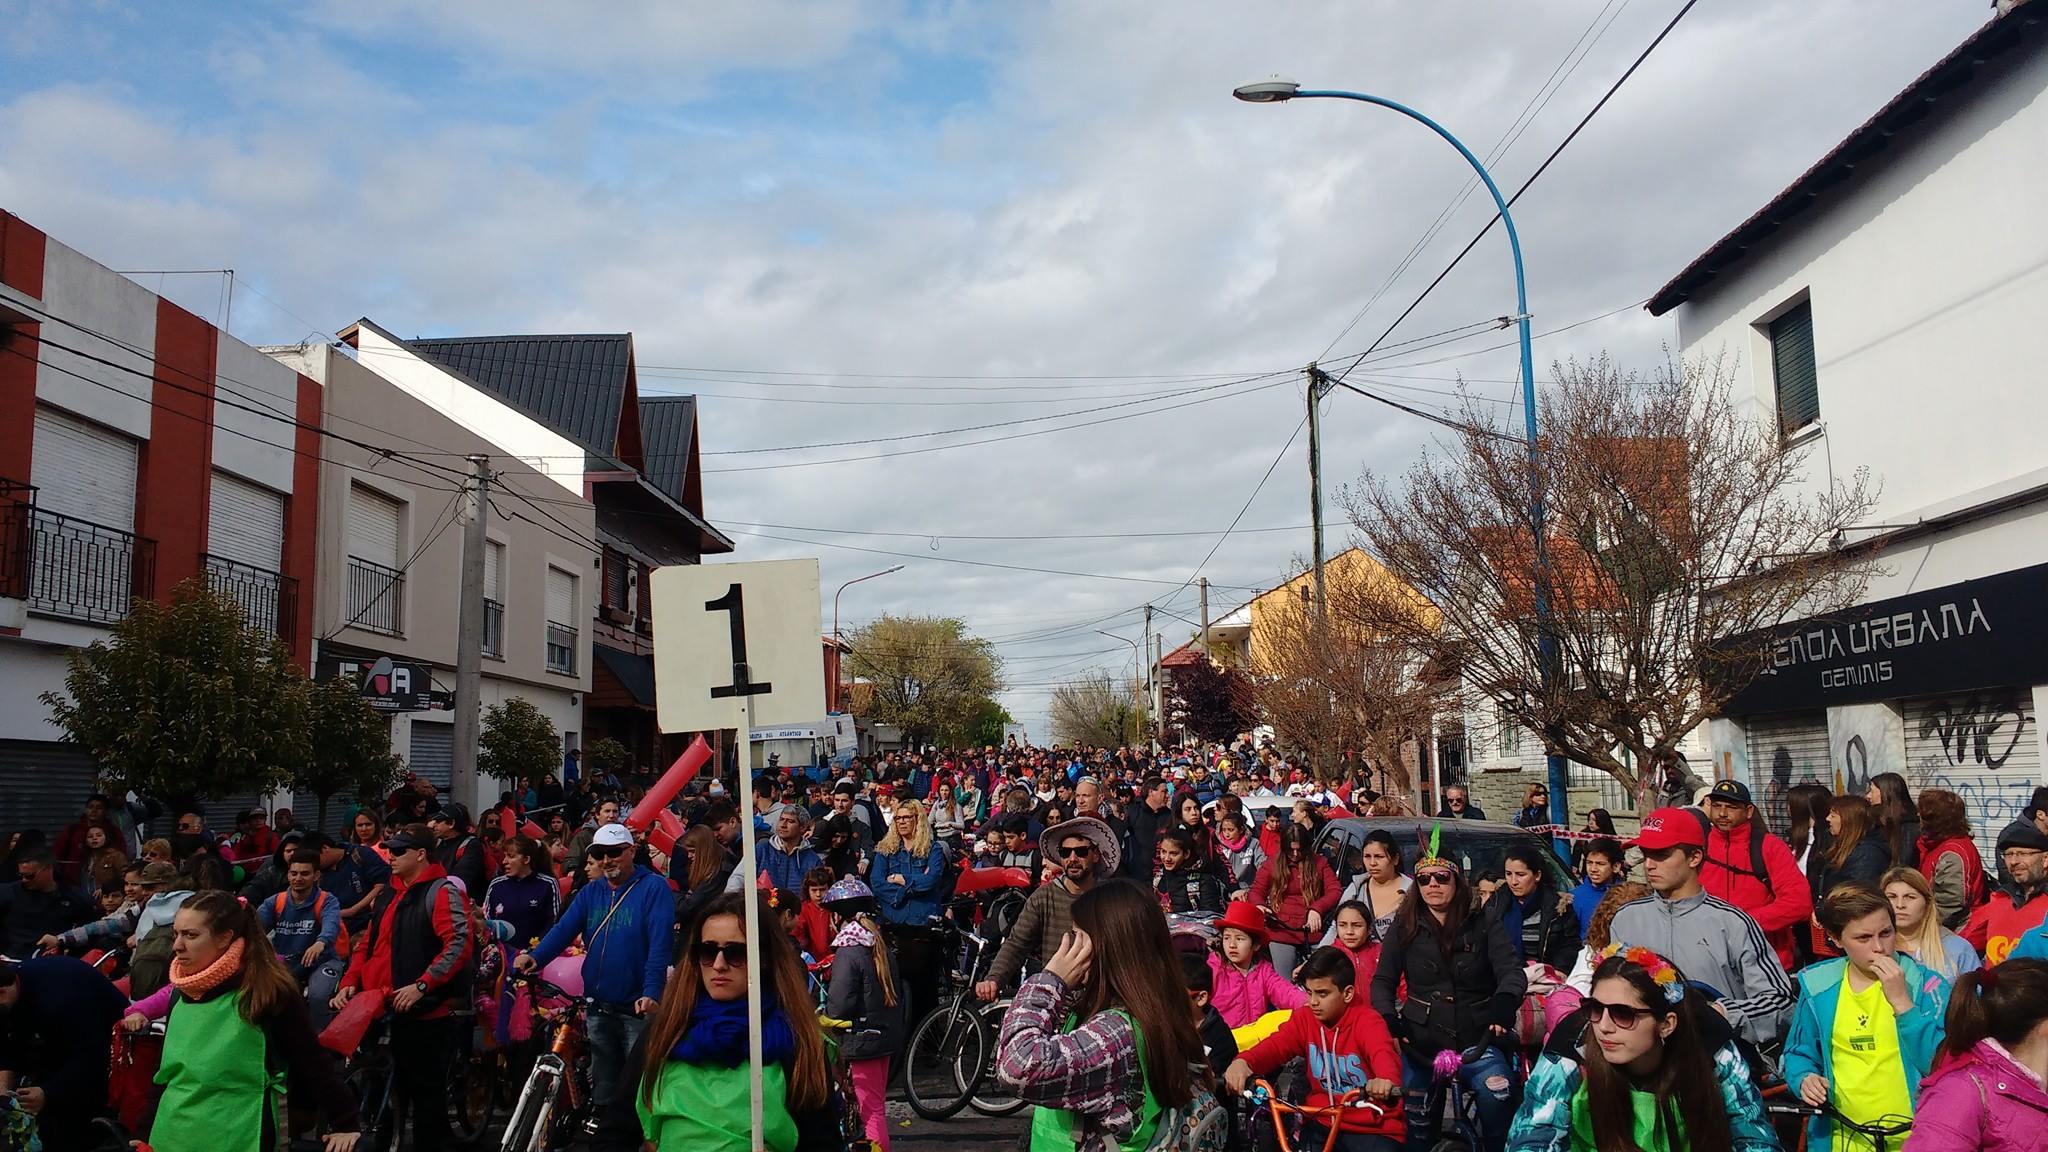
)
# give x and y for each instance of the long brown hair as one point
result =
(2003, 1003)
(1283, 866)
(1806, 807)
(782, 974)
(1685, 1082)
(1855, 813)
(1128, 931)
(1600, 926)
(267, 988)
(709, 855)
(1942, 816)
(1414, 917)
(1894, 811)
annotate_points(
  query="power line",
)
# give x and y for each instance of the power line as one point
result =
(441, 526)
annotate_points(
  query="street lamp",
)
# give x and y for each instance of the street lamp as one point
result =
(849, 584)
(1137, 666)
(1277, 90)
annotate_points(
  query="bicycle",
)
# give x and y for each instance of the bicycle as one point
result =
(852, 1124)
(372, 1075)
(952, 1048)
(473, 1087)
(1468, 1134)
(1878, 1135)
(1331, 1116)
(555, 1098)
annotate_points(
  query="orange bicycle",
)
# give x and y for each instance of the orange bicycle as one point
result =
(1261, 1095)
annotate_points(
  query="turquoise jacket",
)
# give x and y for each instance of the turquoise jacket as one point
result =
(1544, 1121)
(1809, 1046)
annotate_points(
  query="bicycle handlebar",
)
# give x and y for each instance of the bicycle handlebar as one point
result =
(1262, 1096)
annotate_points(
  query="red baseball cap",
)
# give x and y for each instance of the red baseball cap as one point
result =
(1671, 828)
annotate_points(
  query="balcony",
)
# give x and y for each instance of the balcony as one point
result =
(494, 629)
(17, 504)
(375, 598)
(561, 648)
(269, 600)
(84, 571)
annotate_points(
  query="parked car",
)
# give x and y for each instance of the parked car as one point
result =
(1476, 845)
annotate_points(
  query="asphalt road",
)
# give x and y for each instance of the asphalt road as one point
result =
(970, 1131)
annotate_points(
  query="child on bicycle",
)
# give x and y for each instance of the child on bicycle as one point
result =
(1352, 923)
(1246, 985)
(1988, 1094)
(1347, 1047)
(867, 990)
(1866, 1025)
(1184, 885)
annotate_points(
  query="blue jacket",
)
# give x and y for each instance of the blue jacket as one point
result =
(1809, 1048)
(293, 930)
(626, 952)
(2032, 945)
(786, 869)
(1585, 898)
(920, 896)
(1544, 1121)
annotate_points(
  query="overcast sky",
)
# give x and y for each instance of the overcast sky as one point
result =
(855, 219)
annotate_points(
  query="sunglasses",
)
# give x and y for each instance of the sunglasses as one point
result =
(1068, 851)
(1432, 879)
(708, 954)
(596, 852)
(1623, 1015)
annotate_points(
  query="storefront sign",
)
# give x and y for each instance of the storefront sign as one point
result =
(387, 685)
(1978, 634)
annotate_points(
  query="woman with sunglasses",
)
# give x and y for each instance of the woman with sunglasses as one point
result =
(1298, 891)
(691, 1090)
(1535, 811)
(1642, 1065)
(908, 877)
(1464, 985)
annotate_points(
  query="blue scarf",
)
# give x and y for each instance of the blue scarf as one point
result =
(718, 1034)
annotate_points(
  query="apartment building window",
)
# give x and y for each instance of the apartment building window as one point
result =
(374, 595)
(1798, 385)
(616, 567)
(245, 553)
(562, 621)
(86, 562)
(494, 598)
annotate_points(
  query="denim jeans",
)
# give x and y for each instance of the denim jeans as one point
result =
(612, 1035)
(1488, 1080)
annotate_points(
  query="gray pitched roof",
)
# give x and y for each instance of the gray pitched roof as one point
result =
(668, 425)
(573, 384)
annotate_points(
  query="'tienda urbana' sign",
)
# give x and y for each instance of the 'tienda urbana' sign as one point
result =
(1977, 634)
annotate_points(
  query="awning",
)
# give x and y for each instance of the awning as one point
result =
(634, 672)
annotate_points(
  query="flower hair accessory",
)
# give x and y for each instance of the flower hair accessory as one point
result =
(1660, 970)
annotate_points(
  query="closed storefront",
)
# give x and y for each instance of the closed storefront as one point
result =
(1984, 746)
(432, 754)
(47, 783)
(1786, 749)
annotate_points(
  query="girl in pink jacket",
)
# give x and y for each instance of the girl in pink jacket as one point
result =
(1246, 985)
(1990, 1089)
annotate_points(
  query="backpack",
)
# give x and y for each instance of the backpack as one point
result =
(1756, 854)
(319, 902)
(1202, 1125)
(149, 967)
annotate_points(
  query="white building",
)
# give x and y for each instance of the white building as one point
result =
(1886, 311)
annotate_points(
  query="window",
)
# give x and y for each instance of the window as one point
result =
(374, 595)
(616, 565)
(1792, 368)
(86, 562)
(562, 621)
(494, 598)
(1507, 734)
(245, 552)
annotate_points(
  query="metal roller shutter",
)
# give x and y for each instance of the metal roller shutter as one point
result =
(373, 525)
(43, 784)
(433, 753)
(561, 599)
(245, 523)
(1785, 750)
(494, 571)
(83, 470)
(1985, 747)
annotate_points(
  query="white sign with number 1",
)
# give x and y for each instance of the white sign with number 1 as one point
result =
(715, 622)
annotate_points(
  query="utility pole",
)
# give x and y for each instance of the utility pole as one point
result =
(1318, 387)
(1158, 684)
(1205, 615)
(1144, 653)
(469, 633)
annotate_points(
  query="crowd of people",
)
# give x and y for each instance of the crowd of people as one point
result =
(1867, 970)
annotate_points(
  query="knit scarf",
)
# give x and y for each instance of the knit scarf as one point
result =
(718, 1034)
(195, 985)
(1233, 846)
(855, 933)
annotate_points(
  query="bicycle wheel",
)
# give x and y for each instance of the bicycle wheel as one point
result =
(371, 1079)
(947, 1040)
(472, 1101)
(988, 1096)
(526, 1131)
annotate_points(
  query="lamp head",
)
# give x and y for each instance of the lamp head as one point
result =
(1271, 91)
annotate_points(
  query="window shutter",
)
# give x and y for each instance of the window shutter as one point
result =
(84, 471)
(562, 598)
(1792, 365)
(373, 523)
(245, 523)
(494, 570)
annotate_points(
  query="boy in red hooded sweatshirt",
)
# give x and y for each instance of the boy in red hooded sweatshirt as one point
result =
(1347, 1046)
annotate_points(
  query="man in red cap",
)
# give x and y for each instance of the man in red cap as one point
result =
(1754, 870)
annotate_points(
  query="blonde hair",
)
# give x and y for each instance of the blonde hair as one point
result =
(920, 843)
(1925, 943)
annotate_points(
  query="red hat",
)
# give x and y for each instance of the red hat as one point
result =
(1671, 828)
(1246, 918)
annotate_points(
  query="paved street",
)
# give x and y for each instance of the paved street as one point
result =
(969, 1132)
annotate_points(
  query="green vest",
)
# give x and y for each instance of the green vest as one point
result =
(1052, 1129)
(1649, 1134)
(219, 1092)
(704, 1108)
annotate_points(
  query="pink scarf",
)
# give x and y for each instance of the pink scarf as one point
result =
(195, 985)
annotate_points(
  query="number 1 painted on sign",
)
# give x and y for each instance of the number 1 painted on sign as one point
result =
(734, 604)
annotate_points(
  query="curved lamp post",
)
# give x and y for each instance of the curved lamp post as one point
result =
(1277, 90)
(849, 584)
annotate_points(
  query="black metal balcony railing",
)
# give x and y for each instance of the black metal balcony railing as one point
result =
(561, 648)
(494, 628)
(17, 504)
(86, 571)
(269, 600)
(374, 598)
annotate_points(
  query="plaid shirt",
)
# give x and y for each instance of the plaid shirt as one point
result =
(1091, 1071)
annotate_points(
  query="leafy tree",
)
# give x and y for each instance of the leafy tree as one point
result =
(988, 726)
(930, 677)
(608, 755)
(351, 748)
(1096, 711)
(518, 744)
(185, 699)
(1208, 701)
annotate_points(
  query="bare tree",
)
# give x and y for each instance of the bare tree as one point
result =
(1098, 711)
(1679, 526)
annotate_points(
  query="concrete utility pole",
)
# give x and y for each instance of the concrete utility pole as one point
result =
(1205, 615)
(1144, 653)
(1317, 388)
(469, 633)
(1158, 686)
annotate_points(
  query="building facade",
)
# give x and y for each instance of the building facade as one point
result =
(140, 447)
(1883, 313)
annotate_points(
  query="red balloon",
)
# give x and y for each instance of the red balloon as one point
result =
(680, 773)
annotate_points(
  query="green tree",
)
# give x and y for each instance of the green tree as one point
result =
(351, 748)
(988, 725)
(608, 755)
(518, 744)
(185, 699)
(930, 676)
